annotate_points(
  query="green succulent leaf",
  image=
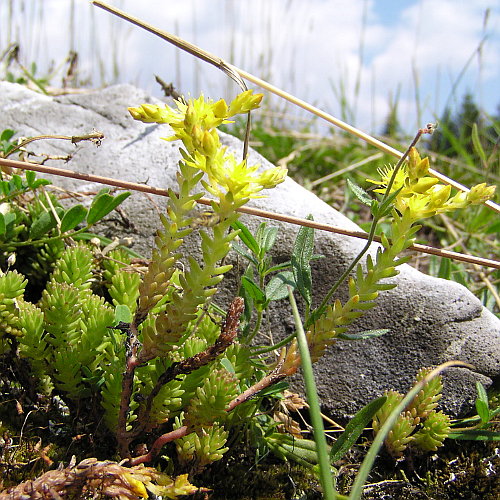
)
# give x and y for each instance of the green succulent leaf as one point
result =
(123, 314)
(228, 365)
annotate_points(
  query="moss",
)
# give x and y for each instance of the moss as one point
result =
(460, 469)
(242, 479)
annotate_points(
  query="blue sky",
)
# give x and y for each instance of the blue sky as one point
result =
(365, 52)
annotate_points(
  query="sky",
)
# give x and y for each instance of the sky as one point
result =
(352, 58)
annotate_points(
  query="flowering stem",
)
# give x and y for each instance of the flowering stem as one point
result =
(158, 445)
(270, 379)
(228, 333)
(371, 236)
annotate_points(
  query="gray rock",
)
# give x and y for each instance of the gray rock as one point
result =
(430, 320)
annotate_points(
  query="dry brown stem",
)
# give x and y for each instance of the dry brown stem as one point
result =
(480, 261)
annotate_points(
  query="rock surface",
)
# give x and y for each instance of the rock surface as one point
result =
(430, 320)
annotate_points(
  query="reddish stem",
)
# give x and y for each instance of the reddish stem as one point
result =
(132, 345)
(268, 380)
(158, 445)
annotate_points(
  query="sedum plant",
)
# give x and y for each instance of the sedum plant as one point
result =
(409, 194)
(162, 369)
(34, 227)
(420, 424)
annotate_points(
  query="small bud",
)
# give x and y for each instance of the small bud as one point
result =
(209, 143)
(440, 195)
(220, 109)
(136, 113)
(11, 260)
(190, 117)
(244, 102)
(423, 184)
(272, 177)
(480, 193)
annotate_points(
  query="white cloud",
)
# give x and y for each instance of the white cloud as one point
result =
(303, 46)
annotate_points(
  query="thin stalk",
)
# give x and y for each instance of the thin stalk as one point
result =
(260, 312)
(69, 234)
(132, 345)
(95, 137)
(244, 210)
(273, 347)
(325, 472)
(256, 328)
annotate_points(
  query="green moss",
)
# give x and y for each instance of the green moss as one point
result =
(240, 478)
(459, 470)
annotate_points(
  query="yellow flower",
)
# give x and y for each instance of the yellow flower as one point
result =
(417, 168)
(195, 123)
(244, 182)
(422, 195)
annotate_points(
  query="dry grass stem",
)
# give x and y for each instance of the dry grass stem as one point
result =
(246, 210)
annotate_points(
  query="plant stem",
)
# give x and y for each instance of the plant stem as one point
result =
(371, 235)
(270, 379)
(325, 473)
(132, 345)
(258, 321)
(69, 234)
(273, 347)
(95, 137)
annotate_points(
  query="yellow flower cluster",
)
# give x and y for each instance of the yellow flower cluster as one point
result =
(195, 123)
(422, 195)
